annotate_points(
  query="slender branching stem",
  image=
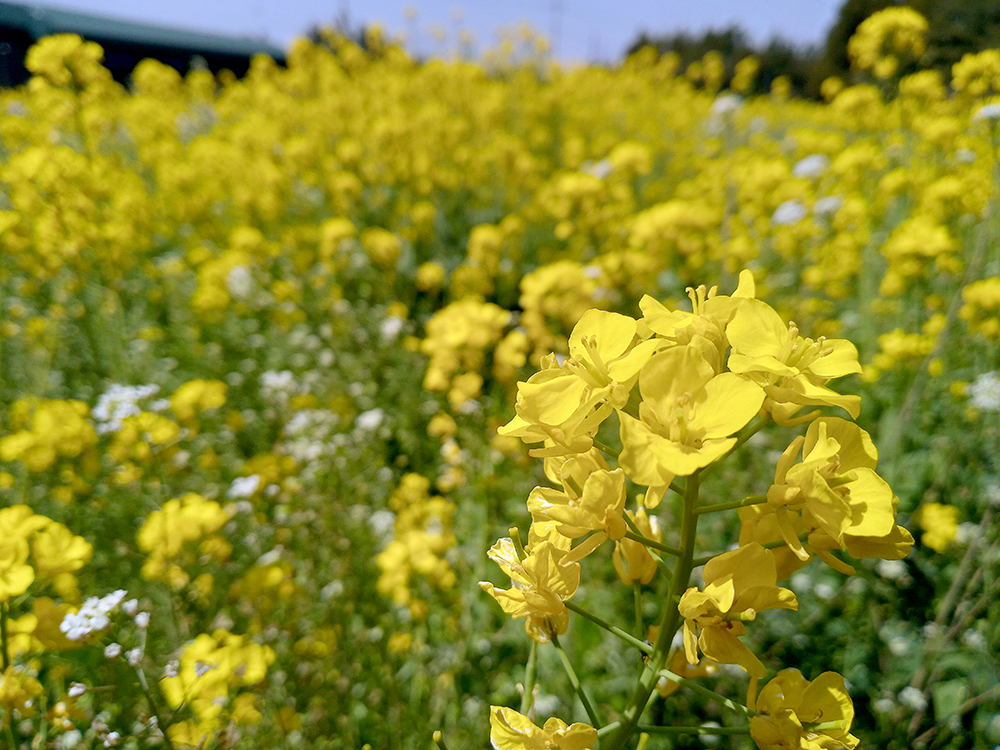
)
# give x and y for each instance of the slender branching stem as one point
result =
(575, 682)
(644, 647)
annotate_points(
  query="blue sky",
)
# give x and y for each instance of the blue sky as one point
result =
(580, 29)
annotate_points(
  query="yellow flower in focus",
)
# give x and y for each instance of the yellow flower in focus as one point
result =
(509, 730)
(795, 713)
(686, 419)
(939, 523)
(594, 504)
(843, 503)
(542, 581)
(793, 370)
(738, 585)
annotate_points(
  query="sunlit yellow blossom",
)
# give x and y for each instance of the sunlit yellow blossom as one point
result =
(686, 418)
(939, 523)
(592, 499)
(509, 730)
(793, 713)
(738, 585)
(57, 550)
(793, 370)
(197, 396)
(542, 581)
(567, 402)
(631, 559)
(704, 327)
(19, 690)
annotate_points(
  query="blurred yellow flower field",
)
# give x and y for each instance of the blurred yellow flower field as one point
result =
(282, 358)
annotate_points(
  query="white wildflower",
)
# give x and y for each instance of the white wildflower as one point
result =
(243, 486)
(790, 212)
(112, 651)
(989, 112)
(368, 421)
(813, 165)
(142, 620)
(912, 698)
(390, 328)
(984, 392)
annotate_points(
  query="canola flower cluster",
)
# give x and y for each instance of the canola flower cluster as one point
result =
(257, 337)
(684, 388)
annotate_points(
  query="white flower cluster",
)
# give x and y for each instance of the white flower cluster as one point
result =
(788, 213)
(813, 165)
(118, 402)
(984, 392)
(243, 487)
(278, 388)
(92, 617)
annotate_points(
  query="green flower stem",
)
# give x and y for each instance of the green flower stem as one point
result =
(650, 729)
(705, 692)
(717, 507)
(3, 635)
(529, 678)
(9, 726)
(608, 729)
(643, 646)
(575, 682)
(637, 601)
(670, 620)
(604, 448)
(439, 738)
(154, 706)
(634, 534)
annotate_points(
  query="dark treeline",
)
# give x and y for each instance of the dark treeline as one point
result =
(956, 27)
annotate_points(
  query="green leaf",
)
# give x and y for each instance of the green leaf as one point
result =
(948, 696)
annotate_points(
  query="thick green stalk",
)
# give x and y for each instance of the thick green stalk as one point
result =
(3, 635)
(670, 620)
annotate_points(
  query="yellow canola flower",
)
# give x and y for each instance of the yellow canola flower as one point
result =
(566, 403)
(834, 495)
(704, 327)
(939, 523)
(793, 370)
(592, 499)
(686, 418)
(197, 396)
(510, 730)
(795, 713)
(15, 572)
(210, 667)
(56, 550)
(18, 691)
(631, 559)
(738, 585)
(542, 581)
(885, 37)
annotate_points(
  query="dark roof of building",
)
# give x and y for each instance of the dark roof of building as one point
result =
(39, 21)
